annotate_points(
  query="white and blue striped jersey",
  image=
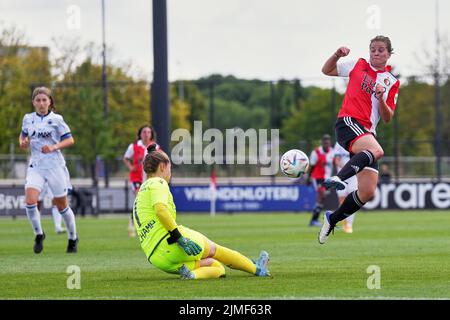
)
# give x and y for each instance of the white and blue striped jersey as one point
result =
(41, 131)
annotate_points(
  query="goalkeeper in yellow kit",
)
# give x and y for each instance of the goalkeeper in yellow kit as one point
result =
(174, 248)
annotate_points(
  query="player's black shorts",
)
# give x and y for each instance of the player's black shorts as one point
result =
(349, 130)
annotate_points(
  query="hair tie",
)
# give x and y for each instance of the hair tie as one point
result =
(153, 147)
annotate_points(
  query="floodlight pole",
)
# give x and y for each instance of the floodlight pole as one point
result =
(105, 88)
(104, 75)
(160, 86)
(437, 97)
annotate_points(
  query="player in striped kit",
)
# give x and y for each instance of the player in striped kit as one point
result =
(321, 166)
(46, 133)
(371, 94)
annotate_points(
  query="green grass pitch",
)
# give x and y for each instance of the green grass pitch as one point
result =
(411, 248)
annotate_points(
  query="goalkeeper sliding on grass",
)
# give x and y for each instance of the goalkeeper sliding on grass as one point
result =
(173, 248)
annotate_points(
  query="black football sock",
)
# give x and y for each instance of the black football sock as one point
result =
(351, 204)
(316, 211)
(356, 163)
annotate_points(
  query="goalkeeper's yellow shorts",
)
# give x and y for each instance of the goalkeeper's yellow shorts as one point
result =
(170, 257)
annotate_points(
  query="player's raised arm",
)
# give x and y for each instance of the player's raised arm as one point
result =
(330, 67)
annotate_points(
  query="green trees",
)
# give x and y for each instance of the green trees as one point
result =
(446, 117)
(78, 95)
(303, 114)
(415, 116)
(305, 126)
(237, 102)
(19, 66)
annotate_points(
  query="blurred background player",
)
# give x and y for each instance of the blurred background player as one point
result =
(46, 134)
(133, 159)
(342, 156)
(174, 248)
(321, 166)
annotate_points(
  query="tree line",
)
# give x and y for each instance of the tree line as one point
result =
(302, 113)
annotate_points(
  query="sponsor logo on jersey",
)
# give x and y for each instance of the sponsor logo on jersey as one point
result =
(386, 81)
(44, 134)
(368, 84)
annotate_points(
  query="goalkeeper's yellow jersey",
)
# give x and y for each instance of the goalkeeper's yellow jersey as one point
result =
(150, 230)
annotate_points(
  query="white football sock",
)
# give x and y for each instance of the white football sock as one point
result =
(69, 219)
(35, 218)
(350, 220)
(57, 219)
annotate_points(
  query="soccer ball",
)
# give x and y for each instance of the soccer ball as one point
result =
(294, 163)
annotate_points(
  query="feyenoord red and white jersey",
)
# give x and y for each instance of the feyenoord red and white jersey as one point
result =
(322, 162)
(136, 152)
(360, 102)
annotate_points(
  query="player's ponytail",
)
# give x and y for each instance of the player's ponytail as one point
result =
(153, 147)
(155, 156)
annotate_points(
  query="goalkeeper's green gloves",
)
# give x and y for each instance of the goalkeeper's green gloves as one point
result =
(189, 246)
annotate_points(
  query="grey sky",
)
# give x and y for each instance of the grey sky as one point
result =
(263, 39)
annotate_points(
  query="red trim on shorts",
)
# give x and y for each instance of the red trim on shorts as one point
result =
(353, 141)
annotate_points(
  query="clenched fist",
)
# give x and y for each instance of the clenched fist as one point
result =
(379, 90)
(342, 52)
(48, 148)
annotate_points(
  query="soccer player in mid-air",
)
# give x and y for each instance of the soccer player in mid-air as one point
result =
(321, 167)
(174, 248)
(133, 158)
(46, 133)
(371, 93)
